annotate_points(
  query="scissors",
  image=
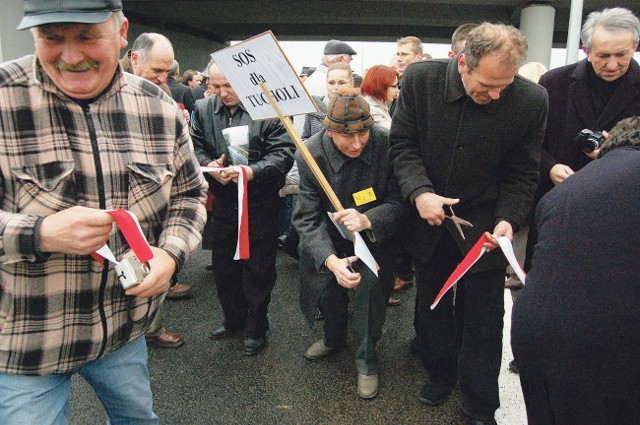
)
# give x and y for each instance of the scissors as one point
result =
(458, 221)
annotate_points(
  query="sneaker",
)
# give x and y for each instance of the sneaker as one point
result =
(367, 386)
(318, 351)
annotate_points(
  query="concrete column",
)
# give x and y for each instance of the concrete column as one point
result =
(536, 23)
(13, 43)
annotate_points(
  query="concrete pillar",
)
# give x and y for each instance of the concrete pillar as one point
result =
(13, 43)
(536, 23)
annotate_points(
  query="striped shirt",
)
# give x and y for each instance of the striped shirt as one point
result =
(128, 148)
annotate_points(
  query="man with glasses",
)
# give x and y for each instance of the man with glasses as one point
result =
(409, 51)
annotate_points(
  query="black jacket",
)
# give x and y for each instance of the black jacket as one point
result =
(270, 150)
(181, 93)
(570, 111)
(486, 155)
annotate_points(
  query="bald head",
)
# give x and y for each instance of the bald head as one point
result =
(219, 85)
(152, 57)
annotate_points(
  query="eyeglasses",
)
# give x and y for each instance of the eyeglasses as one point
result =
(404, 54)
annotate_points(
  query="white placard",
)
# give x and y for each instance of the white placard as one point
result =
(260, 59)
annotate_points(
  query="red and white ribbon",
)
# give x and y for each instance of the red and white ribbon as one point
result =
(132, 232)
(242, 247)
(472, 257)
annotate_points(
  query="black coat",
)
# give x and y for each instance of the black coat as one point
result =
(571, 110)
(577, 320)
(486, 155)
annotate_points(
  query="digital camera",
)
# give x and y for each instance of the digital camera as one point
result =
(588, 141)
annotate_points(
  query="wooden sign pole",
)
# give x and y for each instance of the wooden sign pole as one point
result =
(304, 151)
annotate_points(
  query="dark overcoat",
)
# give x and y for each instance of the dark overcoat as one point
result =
(318, 236)
(486, 155)
(571, 110)
(575, 326)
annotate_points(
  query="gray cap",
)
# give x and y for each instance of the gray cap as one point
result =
(337, 47)
(43, 12)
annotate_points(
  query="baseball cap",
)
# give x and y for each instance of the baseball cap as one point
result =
(43, 12)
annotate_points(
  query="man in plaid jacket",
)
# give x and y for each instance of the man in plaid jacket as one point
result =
(80, 137)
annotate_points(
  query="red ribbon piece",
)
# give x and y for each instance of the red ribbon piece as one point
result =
(132, 233)
(469, 260)
(242, 248)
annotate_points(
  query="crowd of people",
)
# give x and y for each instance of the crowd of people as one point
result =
(86, 133)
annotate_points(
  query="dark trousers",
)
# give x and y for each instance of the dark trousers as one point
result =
(475, 362)
(368, 317)
(244, 286)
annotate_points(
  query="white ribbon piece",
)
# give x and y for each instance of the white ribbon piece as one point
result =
(507, 249)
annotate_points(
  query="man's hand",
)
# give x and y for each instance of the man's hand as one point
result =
(161, 268)
(559, 173)
(248, 170)
(352, 220)
(429, 206)
(340, 268)
(77, 230)
(503, 228)
(221, 177)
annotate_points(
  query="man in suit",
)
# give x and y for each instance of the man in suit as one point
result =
(467, 132)
(352, 153)
(594, 93)
(575, 325)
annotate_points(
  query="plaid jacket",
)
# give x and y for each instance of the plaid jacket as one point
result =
(129, 148)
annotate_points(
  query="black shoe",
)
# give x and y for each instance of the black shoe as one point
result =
(254, 346)
(209, 267)
(289, 244)
(434, 394)
(513, 367)
(219, 333)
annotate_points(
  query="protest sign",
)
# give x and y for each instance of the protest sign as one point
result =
(260, 59)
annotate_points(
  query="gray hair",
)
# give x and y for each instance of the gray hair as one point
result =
(487, 38)
(175, 67)
(615, 19)
(118, 19)
(145, 42)
(625, 133)
(333, 58)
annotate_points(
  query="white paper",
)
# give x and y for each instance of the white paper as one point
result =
(507, 249)
(106, 253)
(360, 247)
(362, 251)
(341, 228)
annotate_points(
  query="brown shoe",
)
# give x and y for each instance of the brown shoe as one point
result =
(178, 291)
(166, 340)
(399, 284)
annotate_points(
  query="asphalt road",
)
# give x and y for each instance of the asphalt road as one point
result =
(212, 382)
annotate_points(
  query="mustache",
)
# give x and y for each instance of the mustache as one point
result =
(79, 67)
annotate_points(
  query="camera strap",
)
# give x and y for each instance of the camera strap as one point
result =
(130, 228)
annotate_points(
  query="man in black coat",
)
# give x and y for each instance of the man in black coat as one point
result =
(467, 132)
(243, 286)
(594, 93)
(575, 325)
(179, 92)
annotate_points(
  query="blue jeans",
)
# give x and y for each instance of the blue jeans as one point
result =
(120, 379)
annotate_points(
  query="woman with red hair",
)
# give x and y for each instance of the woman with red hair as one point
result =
(380, 88)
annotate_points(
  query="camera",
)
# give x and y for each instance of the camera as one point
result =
(131, 272)
(589, 140)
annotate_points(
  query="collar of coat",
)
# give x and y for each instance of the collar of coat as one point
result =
(218, 105)
(338, 159)
(454, 89)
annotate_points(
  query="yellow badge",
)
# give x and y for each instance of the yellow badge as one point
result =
(364, 196)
